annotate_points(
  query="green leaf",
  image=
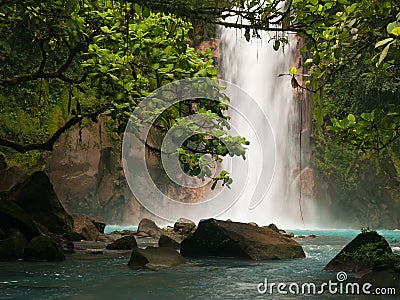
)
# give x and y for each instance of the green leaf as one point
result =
(383, 54)
(276, 45)
(396, 31)
(247, 35)
(70, 7)
(392, 26)
(351, 118)
(146, 12)
(293, 71)
(214, 184)
(384, 42)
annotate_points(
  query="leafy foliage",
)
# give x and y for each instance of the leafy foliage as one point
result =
(64, 63)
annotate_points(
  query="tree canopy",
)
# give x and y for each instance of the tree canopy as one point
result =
(339, 35)
(64, 63)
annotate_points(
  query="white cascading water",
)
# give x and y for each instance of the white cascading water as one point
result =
(254, 67)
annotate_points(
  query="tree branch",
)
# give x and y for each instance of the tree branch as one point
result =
(49, 144)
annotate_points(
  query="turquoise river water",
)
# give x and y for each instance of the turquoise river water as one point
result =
(107, 276)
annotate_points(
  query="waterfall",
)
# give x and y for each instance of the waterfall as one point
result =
(267, 186)
(254, 67)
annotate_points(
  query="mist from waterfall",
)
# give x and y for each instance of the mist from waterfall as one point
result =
(254, 67)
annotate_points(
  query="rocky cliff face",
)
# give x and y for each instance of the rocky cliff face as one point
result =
(86, 172)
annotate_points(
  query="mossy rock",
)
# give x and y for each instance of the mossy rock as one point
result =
(12, 248)
(43, 248)
(350, 258)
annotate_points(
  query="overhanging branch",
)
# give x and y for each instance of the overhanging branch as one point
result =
(49, 144)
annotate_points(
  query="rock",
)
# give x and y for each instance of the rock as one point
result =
(10, 178)
(3, 163)
(2, 234)
(127, 232)
(125, 243)
(43, 248)
(13, 216)
(155, 258)
(108, 238)
(184, 226)
(66, 245)
(38, 198)
(382, 279)
(233, 239)
(342, 262)
(274, 227)
(169, 229)
(13, 246)
(149, 227)
(143, 235)
(74, 237)
(166, 241)
(288, 234)
(84, 226)
(253, 224)
(312, 236)
(100, 224)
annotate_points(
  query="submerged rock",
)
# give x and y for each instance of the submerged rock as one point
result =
(233, 239)
(38, 198)
(343, 261)
(184, 226)
(155, 258)
(125, 243)
(166, 241)
(43, 248)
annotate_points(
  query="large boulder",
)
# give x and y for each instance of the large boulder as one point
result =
(37, 197)
(13, 246)
(166, 241)
(148, 226)
(233, 239)
(86, 227)
(13, 216)
(155, 258)
(125, 243)
(347, 259)
(43, 248)
(184, 226)
(9, 179)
